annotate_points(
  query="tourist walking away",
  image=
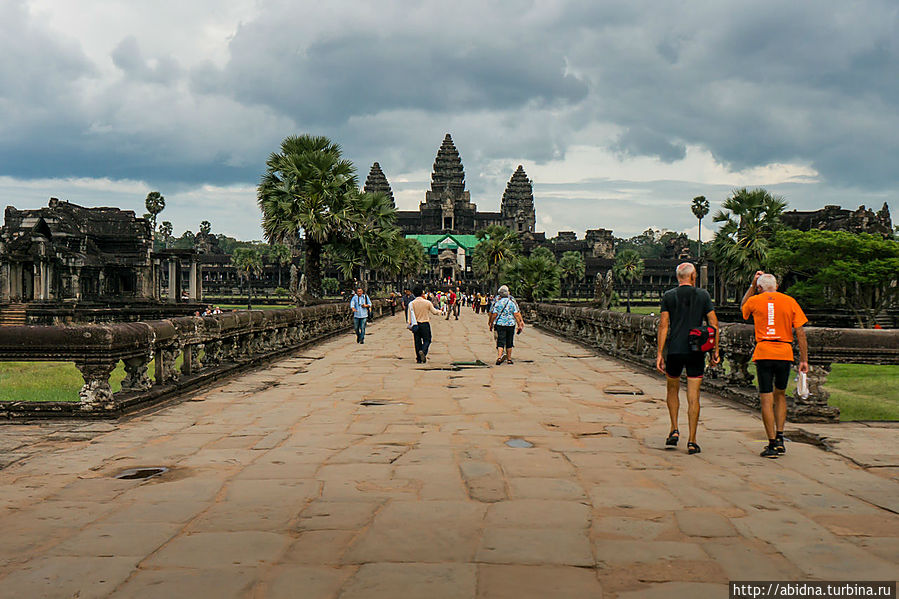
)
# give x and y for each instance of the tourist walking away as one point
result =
(456, 300)
(483, 302)
(776, 316)
(392, 301)
(407, 299)
(422, 308)
(360, 304)
(505, 319)
(683, 310)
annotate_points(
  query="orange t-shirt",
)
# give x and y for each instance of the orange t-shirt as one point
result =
(775, 315)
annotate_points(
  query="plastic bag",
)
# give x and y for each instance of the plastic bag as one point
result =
(802, 385)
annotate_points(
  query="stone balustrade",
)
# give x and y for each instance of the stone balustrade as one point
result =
(212, 347)
(632, 337)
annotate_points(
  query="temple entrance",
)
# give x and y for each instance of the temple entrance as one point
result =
(447, 272)
(28, 281)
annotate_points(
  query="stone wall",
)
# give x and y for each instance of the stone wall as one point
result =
(229, 343)
(632, 338)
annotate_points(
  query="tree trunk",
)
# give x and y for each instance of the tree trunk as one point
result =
(313, 268)
(628, 299)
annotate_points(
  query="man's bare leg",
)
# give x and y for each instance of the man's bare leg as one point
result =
(780, 409)
(672, 387)
(767, 401)
(693, 385)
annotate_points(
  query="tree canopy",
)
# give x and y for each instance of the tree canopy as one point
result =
(836, 268)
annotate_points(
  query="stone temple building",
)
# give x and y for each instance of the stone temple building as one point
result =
(447, 207)
(834, 218)
(65, 251)
(447, 220)
(68, 255)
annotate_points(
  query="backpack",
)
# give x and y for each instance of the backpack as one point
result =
(701, 339)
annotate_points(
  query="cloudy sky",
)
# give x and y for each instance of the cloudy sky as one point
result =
(620, 111)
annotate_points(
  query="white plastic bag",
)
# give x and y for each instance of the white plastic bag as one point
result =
(412, 321)
(802, 385)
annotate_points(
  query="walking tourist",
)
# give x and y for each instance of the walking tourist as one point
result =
(504, 319)
(407, 299)
(482, 302)
(684, 308)
(776, 316)
(422, 308)
(456, 300)
(360, 305)
(392, 301)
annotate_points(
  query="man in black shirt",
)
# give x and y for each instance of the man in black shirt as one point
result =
(684, 308)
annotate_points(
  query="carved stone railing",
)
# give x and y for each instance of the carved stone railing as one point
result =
(230, 343)
(632, 337)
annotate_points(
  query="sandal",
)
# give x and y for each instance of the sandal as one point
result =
(509, 361)
(693, 448)
(673, 438)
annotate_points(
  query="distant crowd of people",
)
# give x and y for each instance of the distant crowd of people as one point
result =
(209, 311)
(688, 333)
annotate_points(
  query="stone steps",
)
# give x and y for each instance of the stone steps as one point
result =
(12, 315)
(885, 320)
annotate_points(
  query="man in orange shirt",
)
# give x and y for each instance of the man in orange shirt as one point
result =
(776, 316)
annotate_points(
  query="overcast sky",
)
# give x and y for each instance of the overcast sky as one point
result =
(620, 111)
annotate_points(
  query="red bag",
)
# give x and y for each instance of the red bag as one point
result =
(702, 339)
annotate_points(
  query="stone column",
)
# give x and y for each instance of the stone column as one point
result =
(36, 285)
(76, 283)
(136, 378)
(192, 281)
(5, 286)
(96, 392)
(174, 270)
(704, 276)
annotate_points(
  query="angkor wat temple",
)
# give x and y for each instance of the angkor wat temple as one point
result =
(834, 218)
(447, 217)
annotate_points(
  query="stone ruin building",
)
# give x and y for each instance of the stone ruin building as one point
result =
(65, 255)
(834, 218)
(446, 221)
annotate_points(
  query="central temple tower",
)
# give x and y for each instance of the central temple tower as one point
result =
(447, 207)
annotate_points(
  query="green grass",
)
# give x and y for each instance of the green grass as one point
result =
(54, 381)
(864, 391)
(255, 307)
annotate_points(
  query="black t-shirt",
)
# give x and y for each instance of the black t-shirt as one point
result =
(687, 307)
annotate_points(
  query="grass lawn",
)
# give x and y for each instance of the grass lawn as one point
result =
(53, 381)
(638, 309)
(255, 307)
(865, 392)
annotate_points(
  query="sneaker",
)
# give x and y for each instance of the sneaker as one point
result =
(769, 452)
(421, 357)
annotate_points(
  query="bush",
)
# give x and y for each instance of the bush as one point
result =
(281, 292)
(330, 286)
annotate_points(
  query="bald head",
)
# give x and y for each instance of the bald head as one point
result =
(685, 272)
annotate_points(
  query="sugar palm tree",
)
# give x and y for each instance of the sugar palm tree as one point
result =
(628, 268)
(700, 208)
(306, 188)
(749, 220)
(573, 268)
(281, 255)
(533, 277)
(496, 251)
(248, 261)
(155, 203)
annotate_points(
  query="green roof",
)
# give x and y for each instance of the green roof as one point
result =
(433, 243)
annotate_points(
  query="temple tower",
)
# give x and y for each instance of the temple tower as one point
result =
(518, 203)
(377, 182)
(447, 207)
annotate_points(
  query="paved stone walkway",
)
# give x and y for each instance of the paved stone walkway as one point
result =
(283, 485)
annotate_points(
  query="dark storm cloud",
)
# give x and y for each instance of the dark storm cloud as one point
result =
(808, 82)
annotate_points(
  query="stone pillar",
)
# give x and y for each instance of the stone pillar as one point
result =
(76, 283)
(5, 286)
(199, 297)
(174, 271)
(96, 392)
(192, 281)
(704, 276)
(136, 378)
(36, 285)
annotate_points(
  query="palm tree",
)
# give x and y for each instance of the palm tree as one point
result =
(155, 204)
(248, 261)
(495, 252)
(307, 188)
(700, 208)
(166, 230)
(534, 277)
(749, 221)
(281, 255)
(629, 269)
(573, 268)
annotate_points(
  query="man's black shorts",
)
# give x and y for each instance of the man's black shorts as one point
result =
(772, 374)
(694, 362)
